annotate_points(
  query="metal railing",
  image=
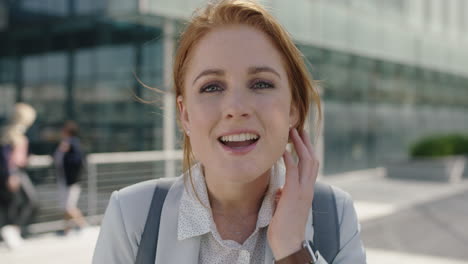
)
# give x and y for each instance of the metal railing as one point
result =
(104, 173)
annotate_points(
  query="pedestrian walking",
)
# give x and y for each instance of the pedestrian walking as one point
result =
(18, 199)
(69, 163)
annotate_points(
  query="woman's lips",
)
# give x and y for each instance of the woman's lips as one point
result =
(238, 144)
(240, 149)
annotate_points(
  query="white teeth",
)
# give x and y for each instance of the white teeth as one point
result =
(239, 137)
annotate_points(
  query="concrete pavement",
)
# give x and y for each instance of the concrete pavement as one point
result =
(408, 221)
(402, 222)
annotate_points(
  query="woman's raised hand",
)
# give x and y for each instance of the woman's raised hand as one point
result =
(287, 227)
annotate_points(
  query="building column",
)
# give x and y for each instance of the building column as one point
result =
(137, 105)
(169, 99)
(454, 17)
(436, 15)
(415, 13)
(464, 20)
(69, 84)
(4, 16)
(19, 76)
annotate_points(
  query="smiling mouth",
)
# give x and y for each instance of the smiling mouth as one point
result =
(239, 140)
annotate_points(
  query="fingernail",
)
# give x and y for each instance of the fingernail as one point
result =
(288, 147)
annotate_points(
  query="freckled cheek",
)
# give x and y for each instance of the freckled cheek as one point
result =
(276, 116)
(202, 124)
(203, 117)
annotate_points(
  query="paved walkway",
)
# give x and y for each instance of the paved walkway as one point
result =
(404, 222)
(409, 221)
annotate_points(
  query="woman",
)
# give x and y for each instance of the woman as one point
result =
(243, 92)
(68, 159)
(17, 195)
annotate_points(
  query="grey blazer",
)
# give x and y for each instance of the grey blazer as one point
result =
(128, 208)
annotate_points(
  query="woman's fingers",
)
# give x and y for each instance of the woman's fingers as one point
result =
(299, 145)
(307, 159)
(292, 173)
(307, 167)
(278, 194)
(306, 140)
(314, 163)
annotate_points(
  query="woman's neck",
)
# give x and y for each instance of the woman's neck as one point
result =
(241, 199)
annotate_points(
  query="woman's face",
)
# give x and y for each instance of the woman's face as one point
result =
(237, 103)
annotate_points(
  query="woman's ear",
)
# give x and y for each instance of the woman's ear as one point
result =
(183, 114)
(293, 116)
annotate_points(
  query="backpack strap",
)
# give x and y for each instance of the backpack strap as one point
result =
(149, 238)
(325, 220)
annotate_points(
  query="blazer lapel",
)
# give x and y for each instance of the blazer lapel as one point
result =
(170, 249)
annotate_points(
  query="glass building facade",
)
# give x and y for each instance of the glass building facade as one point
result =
(391, 71)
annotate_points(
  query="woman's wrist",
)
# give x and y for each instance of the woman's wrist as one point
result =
(304, 255)
(286, 248)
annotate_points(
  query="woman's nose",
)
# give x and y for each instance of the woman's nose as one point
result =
(237, 105)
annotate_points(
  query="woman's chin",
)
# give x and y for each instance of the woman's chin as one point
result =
(242, 172)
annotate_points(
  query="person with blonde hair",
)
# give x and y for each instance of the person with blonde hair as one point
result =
(17, 194)
(243, 92)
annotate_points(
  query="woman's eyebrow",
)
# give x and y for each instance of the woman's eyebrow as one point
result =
(258, 69)
(217, 72)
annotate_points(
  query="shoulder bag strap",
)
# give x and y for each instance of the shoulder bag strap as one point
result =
(326, 225)
(149, 239)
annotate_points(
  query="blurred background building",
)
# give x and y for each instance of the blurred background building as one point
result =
(392, 71)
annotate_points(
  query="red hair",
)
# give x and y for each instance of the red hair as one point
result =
(228, 12)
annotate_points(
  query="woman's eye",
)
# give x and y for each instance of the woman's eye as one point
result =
(262, 85)
(210, 88)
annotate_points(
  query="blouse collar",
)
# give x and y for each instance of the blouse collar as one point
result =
(195, 218)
